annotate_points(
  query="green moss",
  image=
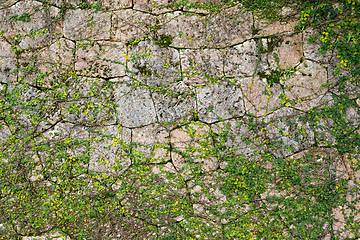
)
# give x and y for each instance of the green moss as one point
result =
(164, 40)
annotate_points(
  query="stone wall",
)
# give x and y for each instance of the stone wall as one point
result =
(131, 120)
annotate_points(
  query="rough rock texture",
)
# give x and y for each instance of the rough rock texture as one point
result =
(178, 117)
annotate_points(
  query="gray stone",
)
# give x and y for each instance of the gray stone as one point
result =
(228, 28)
(111, 150)
(176, 105)
(154, 65)
(264, 27)
(81, 24)
(101, 59)
(186, 31)
(129, 25)
(307, 85)
(311, 50)
(219, 101)
(40, 29)
(201, 66)
(8, 63)
(135, 106)
(241, 60)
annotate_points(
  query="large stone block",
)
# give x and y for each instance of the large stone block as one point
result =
(241, 60)
(259, 97)
(130, 25)
(28, 25)
(219, 101)
(101, 59)
(154, 65)
(8, 63)
(135, 106)
(176, 105)
(201, 66)
(91, 24)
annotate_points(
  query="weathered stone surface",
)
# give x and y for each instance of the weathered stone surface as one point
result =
(260, 99)
(219, 101)
(46, 65)
(154, 65)
(101, 59)
(130, 25)
(8, 63)
(307, 84)
(189, 144)
(201, 66)
(153, 143)
(265, 28)
(153, 6)
(111, 5)
(81, 24)
(187, 31)
(237, 135)
(7, 3)
(291, 138)
(290, 51)
(241, 60)
(311, 50)
(135, 106)
(110, 154)
(228, 28)
(39, 28)
(54, 236)
(178, 104)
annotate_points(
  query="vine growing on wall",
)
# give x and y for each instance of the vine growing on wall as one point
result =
(69, 165)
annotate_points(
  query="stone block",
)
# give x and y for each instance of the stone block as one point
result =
(135, 106)
(101, 59)
(219, 101)
(176, 105)
(8, 63)
(130, 25)
(91, 24)
(37, 28)
(201, 66)
(154, 65)
(241, 60)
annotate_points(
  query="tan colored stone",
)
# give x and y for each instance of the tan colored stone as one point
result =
(7, 3)
(129, 24)
(111, 5)
(153, 143)
(260, 99)
(311, 50)
(81, 24)
(201, 66)
(153, 6)
(194, 140)
(307, 84)
(39, 30)
(290, 51)
(54, 236)
(241, 60)
(101, 59)
(266, 28)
